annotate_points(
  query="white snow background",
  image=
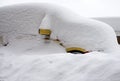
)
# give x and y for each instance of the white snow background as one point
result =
(28, 58)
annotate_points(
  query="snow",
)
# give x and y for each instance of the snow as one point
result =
(113, 21)
(93, 66)
(28, 57)
(61, 22)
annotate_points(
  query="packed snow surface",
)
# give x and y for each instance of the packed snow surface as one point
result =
(28, 57)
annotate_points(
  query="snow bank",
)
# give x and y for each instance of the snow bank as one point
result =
(60, 67)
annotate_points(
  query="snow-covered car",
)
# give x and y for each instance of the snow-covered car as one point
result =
(72, 30)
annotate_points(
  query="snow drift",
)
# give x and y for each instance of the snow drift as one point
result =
(60, 67)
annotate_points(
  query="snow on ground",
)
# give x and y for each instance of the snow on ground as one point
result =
(62, 67)
(27, 57)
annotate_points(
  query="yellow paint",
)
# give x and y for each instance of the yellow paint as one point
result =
(44, 31)
(75, 48)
